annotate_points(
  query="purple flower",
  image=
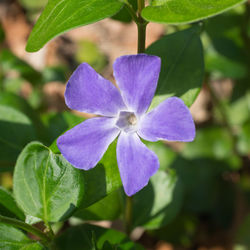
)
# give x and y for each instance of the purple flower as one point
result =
(123, 114)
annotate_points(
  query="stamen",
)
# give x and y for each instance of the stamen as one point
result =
(132, 120)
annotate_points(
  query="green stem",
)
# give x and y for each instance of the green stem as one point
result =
(141, 38)
(35, 231)
(129, 214)
(141, 26)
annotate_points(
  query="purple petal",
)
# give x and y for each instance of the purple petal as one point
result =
(89, 92)
(84, 145)
(171, 121)
(136, 162)
(137, 78)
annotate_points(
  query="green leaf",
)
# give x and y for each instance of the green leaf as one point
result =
(108, 208)
(182, 67)
(186, 11)
(14, 239)
(159, 202)
(16, 130)
(46, 185)
(102, 179)
(62, 15)
(80, 238)
(8, 206)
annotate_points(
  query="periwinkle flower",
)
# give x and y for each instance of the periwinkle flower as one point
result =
(123, 113)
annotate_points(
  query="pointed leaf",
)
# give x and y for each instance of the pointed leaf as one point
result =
(62, 15)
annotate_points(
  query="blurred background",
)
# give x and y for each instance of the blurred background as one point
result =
(214, 212)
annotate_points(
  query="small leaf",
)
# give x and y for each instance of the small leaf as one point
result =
(80, 238)
(45, 184)
(14, 239)
(182, 68)
(8, 206)
(159, 202)
(62, 15)
(186, 11)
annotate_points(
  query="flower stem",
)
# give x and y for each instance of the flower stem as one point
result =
(141, 27)
(35, 231)
(128, 214)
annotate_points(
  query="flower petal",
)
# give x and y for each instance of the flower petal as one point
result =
(87, 91)
(171, 121)
(136, 162)
(137, 77)
(84, 145)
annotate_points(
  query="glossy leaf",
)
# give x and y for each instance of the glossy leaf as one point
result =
(182, 67)
(14, 239)
(62, 15)
(80, 238)
(16, 130)
(185, 11)
(8, 206)
(108, 208)
(159, 202)
(45, 184)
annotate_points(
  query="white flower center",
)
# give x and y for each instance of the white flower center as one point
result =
(127, 121)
